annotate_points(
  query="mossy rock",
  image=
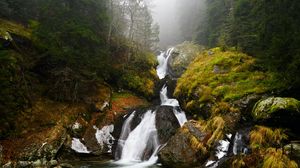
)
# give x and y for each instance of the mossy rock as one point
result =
(7, 27)
(293, 150)
(222, 77)
(182, 56)
(266, 108)
(187, 147)
(278, 112)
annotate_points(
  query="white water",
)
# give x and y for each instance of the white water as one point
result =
(133, 143)
(165, 101)
(237, 140)
(138, 139)
(222, 149)
(104, 136)
(238, 144)
(125, 131)
(78, 146)
(162, 68)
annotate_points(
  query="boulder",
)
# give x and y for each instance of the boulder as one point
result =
(166, 123)
(219, 82)
(293, 150)
(278, 110)
(186, 148)
(182, 56)
(8, 165)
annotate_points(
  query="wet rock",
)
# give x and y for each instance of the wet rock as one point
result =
(220, 69)
(37, 163)
(23, 164)
(99, 140)
(46, 150)
(278, 111)
(8, 165)
(186, 148)
(78, 128)
(293, 150)
(181, 57)
(66, 165)
(166, 123)
(53, 163)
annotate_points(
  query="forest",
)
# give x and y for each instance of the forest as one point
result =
(150, 83)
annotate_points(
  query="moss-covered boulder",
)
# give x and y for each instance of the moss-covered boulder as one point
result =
(278, 112)
(274, 106)
(186, 148)
(293, 150)
(216, 82)
(183, 54)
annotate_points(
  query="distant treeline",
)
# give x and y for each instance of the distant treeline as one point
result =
(267, 30)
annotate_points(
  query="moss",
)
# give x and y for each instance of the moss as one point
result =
(265, 143)
(11, 27)
(197, 145)
(263, 109)
(264, 137)
(215, 125)
(238, 163)
(276, 158)
(139, 83)
(138, 75)
(223, 76)
(223, 108)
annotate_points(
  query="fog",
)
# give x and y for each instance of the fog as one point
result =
(179, 20)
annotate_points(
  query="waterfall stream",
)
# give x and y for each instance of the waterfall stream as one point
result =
(133, 143)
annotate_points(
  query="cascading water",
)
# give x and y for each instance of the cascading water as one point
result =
(162, 68)
(134, 145)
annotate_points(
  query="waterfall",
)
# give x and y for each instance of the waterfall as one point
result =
(162, 68)
(165, 101)
(139, 147)
(145, 133)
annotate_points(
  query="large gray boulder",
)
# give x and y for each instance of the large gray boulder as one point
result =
(166, 123)
(186, 148)
(182, 56)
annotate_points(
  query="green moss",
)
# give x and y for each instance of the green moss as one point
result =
(265, 108)
(117, 95)
(139, 83)
(227, 76)
(11, 27)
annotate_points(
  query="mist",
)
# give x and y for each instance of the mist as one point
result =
(179, 20)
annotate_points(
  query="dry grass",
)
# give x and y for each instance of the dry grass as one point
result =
(215, 125)
(275, 158)
(264, 137)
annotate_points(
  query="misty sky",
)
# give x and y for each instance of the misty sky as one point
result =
(164, 13)
(179, 20)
